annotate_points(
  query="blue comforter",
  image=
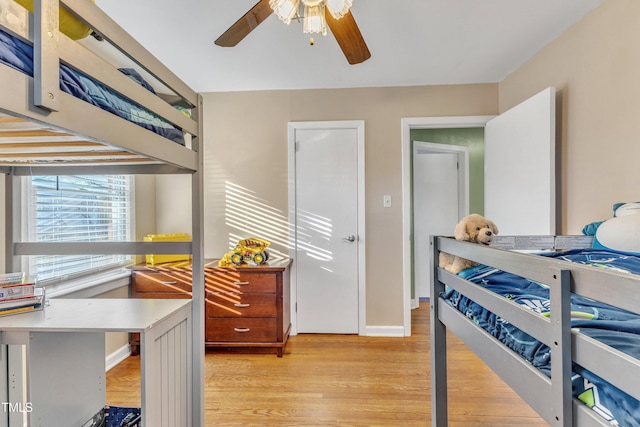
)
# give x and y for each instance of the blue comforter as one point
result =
(615, 327)
(19, 55)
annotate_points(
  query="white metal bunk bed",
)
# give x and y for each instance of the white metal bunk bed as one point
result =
(46, 131)
(550, 396)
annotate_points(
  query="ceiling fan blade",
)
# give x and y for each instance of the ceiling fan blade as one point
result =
(245, 25)
(348, 36)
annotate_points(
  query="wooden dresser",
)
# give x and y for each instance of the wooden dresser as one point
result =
(246, 306)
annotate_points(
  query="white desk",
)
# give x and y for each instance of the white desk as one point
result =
(65, 358)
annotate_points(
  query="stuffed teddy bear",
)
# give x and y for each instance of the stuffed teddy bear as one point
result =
(472, 228)
(620, 233)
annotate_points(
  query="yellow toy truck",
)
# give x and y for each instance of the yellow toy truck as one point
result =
(248, 251)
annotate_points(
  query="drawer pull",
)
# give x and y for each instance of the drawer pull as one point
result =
(241, 283)
(169, 283)
(239, 305)
(242, 329)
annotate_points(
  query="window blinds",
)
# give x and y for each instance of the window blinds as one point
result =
(78, 208)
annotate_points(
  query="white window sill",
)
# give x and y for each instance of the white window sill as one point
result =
(91, 285)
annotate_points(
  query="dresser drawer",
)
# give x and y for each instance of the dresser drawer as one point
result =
(241, 281)
(238, 304)
(254, 329)
(160, 283)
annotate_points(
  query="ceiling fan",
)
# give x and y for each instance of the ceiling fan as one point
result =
(335, 13)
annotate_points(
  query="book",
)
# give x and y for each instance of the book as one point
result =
(18, 310)
(12, 278)
(20, 302)
(8, 292)
(19, 305)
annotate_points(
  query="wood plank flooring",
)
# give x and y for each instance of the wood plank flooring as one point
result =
(343, 380)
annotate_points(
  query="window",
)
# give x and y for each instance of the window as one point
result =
(77, 208)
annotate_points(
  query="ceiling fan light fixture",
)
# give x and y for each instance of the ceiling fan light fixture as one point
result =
(286, 10)
(314, 21)
(338, 8)
(345, 30)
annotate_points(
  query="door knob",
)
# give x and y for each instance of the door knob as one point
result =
(349, 239)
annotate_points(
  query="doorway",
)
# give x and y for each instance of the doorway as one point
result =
(440, 194)
(522, 139)
(326, 210)
(407, 124)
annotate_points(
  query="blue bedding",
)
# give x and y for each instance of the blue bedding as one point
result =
(19, 55)
(618, 328)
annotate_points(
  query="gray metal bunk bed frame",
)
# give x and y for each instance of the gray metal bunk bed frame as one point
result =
(549, 397)
(39, 101)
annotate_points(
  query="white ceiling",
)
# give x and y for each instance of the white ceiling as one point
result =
(412, 42)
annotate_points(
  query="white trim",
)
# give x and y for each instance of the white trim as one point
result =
(358, 125)
(385, 331)
(415, 302)
(90, 285)
(406, 125)
(113, 359)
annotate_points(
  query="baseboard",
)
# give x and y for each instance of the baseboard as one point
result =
(385, 331)
(117, 356)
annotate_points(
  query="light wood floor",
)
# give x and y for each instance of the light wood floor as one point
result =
(343, 380)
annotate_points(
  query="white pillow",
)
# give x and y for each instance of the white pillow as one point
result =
(620, 234)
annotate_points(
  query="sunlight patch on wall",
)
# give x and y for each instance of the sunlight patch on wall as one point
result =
(250, 216)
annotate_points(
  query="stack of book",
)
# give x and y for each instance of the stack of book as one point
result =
(18, 294)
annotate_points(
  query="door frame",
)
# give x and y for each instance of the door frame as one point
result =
(358, 125)
(406, 125)
(462, 156)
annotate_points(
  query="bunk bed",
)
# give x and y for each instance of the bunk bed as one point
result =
(560, 327)
(118, 125)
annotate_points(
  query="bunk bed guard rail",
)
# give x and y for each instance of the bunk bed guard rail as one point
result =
(549, 397)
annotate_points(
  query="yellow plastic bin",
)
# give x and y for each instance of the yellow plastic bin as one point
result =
(153, 259)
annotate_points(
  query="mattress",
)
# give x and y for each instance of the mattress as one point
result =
(17, 54)
(615, 327)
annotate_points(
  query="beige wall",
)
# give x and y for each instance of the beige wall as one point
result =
(595, 67)
(115, 340)
(246, 163)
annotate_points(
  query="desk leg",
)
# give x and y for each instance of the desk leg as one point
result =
(165, 372)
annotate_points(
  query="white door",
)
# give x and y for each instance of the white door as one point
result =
(327, 229)
(520, 167)
(436, 207)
